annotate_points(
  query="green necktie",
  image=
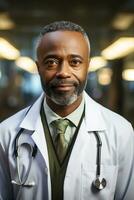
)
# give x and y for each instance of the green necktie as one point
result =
(60, 141)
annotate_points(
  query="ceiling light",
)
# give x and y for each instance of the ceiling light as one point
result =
(96, 63)
(128, 74)
(120, 48)
(104, 76)
(123, 20)
(8, 51)
(27, 64)
(5, 22)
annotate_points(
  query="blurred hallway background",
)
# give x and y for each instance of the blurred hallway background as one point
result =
(110, 26)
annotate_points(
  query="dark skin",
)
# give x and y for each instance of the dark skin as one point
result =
(63, 62)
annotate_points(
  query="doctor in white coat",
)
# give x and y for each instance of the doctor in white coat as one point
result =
(100, 142)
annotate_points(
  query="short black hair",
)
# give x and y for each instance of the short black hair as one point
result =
(63, 26)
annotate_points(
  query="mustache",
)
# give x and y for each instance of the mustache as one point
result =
(56, 82)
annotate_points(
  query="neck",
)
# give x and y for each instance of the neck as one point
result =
(65, 110)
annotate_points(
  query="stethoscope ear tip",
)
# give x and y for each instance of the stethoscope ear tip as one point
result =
(99, 183)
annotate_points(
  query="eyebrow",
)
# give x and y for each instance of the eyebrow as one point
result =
(76, 55)
(59, 57)
(51, 56)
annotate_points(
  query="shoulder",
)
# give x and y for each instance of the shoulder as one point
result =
(113, 121)
(14, 120)
(10, 126)
(117, 123)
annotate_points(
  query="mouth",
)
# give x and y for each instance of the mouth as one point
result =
(63, 87)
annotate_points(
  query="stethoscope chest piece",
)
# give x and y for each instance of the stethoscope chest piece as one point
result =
(100, 183)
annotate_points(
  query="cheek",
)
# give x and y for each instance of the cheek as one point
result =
(46, 75)
(81, 75)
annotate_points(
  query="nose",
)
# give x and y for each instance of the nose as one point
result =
(63, 70)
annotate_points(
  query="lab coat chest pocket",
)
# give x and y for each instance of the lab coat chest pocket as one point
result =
(109, 172)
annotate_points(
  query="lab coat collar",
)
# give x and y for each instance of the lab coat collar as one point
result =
(33, 115)
(93, 115)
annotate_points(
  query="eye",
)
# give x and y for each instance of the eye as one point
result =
(51, 63)
(75, 62)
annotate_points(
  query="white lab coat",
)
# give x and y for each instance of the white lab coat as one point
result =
(117, 162)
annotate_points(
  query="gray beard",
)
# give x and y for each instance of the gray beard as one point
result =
(63, 101)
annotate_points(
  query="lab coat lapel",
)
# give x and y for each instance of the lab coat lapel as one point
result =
(32, 123)
(93, 115)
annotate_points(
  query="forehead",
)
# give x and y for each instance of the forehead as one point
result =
(68, 40)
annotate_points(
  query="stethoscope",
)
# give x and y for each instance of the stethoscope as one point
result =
(99, 183)
(33, 152)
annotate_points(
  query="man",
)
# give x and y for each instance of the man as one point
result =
(92, 158)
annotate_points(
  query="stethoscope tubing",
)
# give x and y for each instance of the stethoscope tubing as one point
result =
(99, 146)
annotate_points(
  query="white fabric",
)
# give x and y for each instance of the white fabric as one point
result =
(117, 163)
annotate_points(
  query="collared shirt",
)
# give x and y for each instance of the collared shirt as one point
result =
(74, 117)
